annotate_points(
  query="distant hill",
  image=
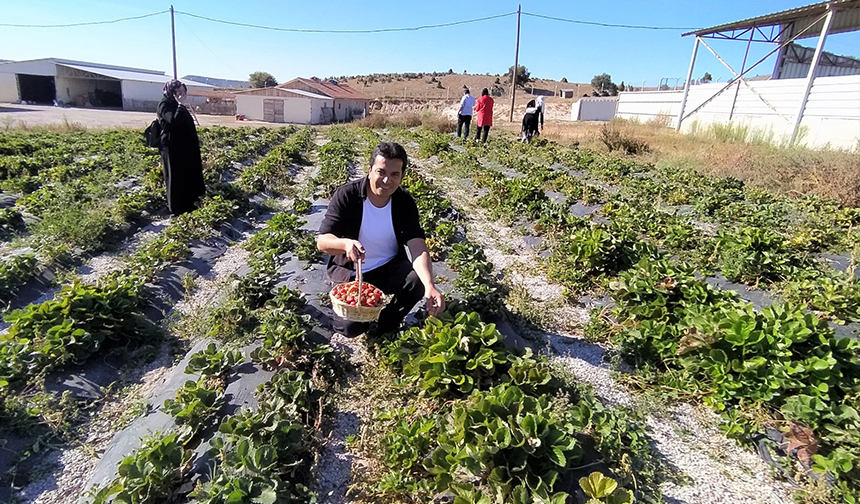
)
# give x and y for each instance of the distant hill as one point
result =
(439, 85)
(214, 81)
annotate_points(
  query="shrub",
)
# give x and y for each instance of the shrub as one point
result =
(616, 140)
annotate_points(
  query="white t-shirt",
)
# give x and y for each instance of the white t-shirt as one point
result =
(377, 236)
(467, 103)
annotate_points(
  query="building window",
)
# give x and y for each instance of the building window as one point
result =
(338, 106)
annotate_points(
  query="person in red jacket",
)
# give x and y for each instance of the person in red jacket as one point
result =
(484, 113)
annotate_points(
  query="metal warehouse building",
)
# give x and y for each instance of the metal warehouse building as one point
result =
(42, 81)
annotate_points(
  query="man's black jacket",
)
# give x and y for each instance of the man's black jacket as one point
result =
(343, 219)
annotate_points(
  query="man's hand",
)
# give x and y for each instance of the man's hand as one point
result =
(435, 301)
(354, 250)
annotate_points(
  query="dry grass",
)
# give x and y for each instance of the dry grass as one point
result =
(427, 119)
(65, 126)
(792, 170)
(399, 86)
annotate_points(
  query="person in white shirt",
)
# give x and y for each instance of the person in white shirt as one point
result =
(540, 109)
(464, 115)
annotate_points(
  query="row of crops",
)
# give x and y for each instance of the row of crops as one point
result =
(111, 318)
(656, 240)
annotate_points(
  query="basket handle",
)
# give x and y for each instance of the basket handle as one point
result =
(358, 277)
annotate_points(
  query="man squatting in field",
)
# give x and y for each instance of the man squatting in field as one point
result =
(374, 221)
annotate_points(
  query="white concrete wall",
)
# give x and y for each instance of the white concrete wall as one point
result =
(296, 110)
(343, 108)
(250, 106)
(42, 67)
(316, 109)
(8, 87)
(832, 115)
(142, 96)
(594, 109)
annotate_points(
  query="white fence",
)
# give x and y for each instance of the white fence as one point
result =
(832, 115)
(594, 108)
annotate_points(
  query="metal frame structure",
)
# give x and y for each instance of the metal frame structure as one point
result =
(780, 28)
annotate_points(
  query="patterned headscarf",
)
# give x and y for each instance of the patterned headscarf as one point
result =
(171, 87)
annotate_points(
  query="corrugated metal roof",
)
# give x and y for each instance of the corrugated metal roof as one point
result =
(307, 94)
(147, 76)
(809, 12)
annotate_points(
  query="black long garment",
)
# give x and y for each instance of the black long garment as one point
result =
(183, 167)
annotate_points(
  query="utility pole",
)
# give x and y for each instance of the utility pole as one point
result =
(173, 36)
(516, 64)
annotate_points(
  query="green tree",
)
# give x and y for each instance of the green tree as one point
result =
(621, 87)
(262, 79)
(523, 76)
(707, 77)
(602, 82)
(564, 79)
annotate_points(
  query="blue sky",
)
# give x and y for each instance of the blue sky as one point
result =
(548, 48)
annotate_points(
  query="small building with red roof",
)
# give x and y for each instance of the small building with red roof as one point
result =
(349, 104)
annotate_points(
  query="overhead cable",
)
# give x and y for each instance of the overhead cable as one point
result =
(609, 25)
(376, 30)
(87, 23)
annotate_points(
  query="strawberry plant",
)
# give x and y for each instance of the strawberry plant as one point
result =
(476, 279)
(149, 476)
(15, 271)
(194, 404)
(10, 222)
(588, 256)
(456, 354)
(501, 437)
(70, 327)
(212, 362)
(830, 295)
(754, 255)
(280, 235)
(604, 490)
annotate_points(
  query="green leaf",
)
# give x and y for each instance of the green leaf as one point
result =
(557, 456)
(598, 486)
(267, 496)
(235, 497)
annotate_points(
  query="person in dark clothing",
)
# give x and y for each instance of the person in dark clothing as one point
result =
(374, 221)
(180, 151)
(530, 122)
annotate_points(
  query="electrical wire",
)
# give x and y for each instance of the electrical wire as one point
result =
(186, 25)
(377, 30)
(609, 25)
(88, 23)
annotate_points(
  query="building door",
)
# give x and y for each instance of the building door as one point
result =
(37, 88)
(269, 110)
(279, 111)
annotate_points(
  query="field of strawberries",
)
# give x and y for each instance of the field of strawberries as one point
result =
(616, 332)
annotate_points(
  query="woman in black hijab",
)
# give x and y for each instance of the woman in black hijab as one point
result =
(180, 151)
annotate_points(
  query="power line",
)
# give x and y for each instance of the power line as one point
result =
(206, 46)
(88, 23)
(377, 30)
(610, 25)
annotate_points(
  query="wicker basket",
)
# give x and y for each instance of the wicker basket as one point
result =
(357, 313)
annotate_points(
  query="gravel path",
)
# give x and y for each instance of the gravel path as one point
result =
(686, 436)
(336, 462)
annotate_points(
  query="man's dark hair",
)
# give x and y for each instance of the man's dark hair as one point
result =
(485, 92)
(465, 90)
(390, 150)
